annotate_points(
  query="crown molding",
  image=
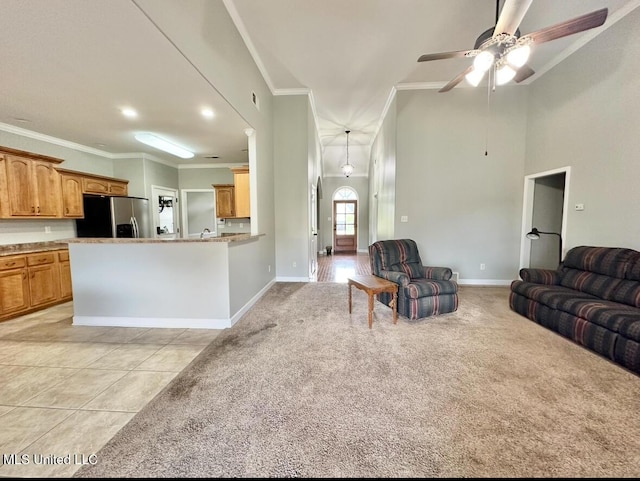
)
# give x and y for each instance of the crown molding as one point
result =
(12, 129)
(296, 91)
(420, 85)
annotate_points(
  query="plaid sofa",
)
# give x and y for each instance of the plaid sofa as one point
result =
(422, 291)
(593, 298)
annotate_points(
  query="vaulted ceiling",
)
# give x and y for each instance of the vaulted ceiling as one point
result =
(71, 65)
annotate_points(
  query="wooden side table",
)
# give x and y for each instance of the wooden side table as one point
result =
(373, 285)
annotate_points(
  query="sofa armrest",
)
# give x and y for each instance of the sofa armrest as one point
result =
(399, 278)
(540, 276)
(437, 273)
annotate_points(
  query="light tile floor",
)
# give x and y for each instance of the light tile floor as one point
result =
(66, 390)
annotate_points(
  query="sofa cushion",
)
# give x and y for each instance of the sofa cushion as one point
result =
(595, 284)
(418, 288)
(633, 272)
(551, 296)
(626, 292)
(614, 316)
(609, 261)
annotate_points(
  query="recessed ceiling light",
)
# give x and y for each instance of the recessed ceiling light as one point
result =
(207, 113)
(129, 112)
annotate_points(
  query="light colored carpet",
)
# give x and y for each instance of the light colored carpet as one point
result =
(299, 388)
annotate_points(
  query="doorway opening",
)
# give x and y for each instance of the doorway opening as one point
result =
(345, 221)
(545, 207)
(164, 202)
(198, 212)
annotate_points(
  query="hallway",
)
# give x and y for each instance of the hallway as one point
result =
(337, 267)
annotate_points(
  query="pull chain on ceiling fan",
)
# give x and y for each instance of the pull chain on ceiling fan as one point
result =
(502, 49)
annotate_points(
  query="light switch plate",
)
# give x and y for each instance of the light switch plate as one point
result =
(579, 206)
(404, 218)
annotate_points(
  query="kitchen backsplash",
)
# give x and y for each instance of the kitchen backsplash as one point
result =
(20, 231)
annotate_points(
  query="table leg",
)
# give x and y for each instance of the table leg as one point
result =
(350, 297)
(395, 306)
(370, 309)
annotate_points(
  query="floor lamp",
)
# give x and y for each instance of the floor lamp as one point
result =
(535, 234)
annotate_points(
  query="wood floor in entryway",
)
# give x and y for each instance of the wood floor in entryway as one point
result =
(337, 267)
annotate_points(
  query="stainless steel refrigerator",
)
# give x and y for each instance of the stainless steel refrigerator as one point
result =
(106, 216)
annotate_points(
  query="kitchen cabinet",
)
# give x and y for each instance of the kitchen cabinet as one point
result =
(64, 268)
(225, 200)
(14, 285)
(34, 281)
(241, 192)
(43, 278)
(29, 187)
(232, 200)
(71, 184)
(104, 186)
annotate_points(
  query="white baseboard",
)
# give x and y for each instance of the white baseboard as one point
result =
(168, 322)
(236, 317)
(485, 282)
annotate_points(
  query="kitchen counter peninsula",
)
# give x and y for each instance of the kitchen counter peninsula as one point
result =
(201, 283)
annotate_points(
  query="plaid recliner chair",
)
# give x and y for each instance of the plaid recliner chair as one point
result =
(422, 291)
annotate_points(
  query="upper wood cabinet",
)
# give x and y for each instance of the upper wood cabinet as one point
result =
(241, 194)
(225, 202)
(72, 204)
(29, 187)
(104, 186)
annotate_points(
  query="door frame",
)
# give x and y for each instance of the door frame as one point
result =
(527, 211)
(184, 206)
(356, 224)
(157, 190)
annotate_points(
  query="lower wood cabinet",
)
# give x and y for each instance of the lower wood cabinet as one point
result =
(31, 282)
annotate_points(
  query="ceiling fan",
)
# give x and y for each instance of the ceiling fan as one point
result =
(502, 48)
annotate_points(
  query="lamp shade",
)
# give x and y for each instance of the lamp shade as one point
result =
(534, 234)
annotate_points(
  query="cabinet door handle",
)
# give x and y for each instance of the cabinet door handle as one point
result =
(9, 264)
(24, 275)
(67, 210)
(38, 209)
(33, 274)
(33, 210)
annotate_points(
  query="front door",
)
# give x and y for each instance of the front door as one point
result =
(345, 226)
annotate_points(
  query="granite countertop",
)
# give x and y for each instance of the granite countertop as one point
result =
(31, 247)
(226, 237)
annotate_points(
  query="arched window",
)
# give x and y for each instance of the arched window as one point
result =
(345, 193)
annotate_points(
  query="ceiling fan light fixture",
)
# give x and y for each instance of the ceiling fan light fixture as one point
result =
(504, 74)
(519, 55)
(483, 61)
(474, 77)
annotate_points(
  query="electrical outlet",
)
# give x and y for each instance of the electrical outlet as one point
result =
(579, 206)
(269, 268)
(47, 229)
(404, 218)
(241, 225)
(295, 263)
(482, 267)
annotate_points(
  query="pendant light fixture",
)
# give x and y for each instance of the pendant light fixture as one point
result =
(347, 168)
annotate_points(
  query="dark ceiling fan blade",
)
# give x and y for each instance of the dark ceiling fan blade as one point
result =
(512, 13)
(455, 81)
(569, 27)
(444, 55)
(523, 73)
